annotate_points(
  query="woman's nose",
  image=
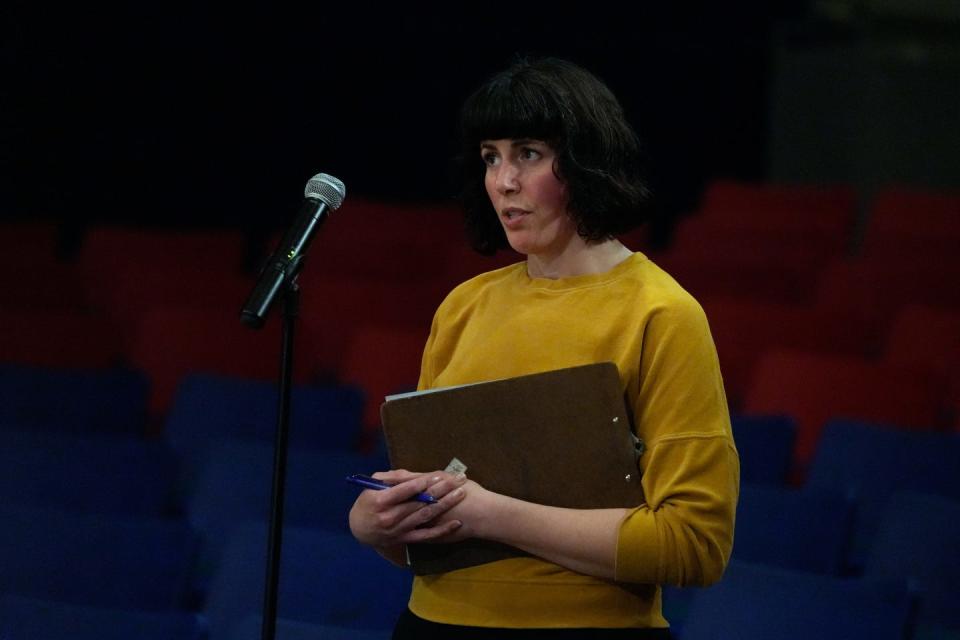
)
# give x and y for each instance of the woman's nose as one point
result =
(508, 179)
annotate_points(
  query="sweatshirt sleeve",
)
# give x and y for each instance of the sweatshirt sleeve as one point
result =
(683, 533)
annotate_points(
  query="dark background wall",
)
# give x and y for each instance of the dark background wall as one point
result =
(200, 113)
(208, 114)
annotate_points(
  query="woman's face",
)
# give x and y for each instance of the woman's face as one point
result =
(530, 200)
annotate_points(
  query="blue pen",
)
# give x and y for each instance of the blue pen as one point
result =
(372, 483)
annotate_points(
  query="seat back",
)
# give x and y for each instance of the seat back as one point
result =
(756, 601)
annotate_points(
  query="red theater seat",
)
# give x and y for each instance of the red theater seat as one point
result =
(820, 218)
(905, 223)
(334, 310)
(60, 339)
(382, 361)
(928, 338)
(743, 330)
(169, 343)
(877, 288)
(813, 388)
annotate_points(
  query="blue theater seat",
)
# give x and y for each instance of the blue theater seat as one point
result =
(73, 400)
(26, 618)
(765, 445)
(250, 629)
(96, 560)
(326, 578)
(235, 485)
(804, 530)
(918, 540)
(96, 473)
(756, 601)
(871, 462)
(207, 408)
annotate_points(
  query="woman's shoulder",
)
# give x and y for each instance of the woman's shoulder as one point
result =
(480, 283)
(658, 286)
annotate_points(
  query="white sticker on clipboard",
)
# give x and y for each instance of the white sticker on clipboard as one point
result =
(455, 467)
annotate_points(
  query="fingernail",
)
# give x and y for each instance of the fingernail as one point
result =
(457, 524)
(435, 479)
(460, 477)
(458, 492)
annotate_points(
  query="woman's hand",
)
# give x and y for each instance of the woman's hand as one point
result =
(475, 511)
(390, 518)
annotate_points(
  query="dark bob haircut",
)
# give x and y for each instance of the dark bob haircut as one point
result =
(598, 153)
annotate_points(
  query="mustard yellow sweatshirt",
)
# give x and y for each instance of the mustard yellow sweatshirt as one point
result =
(504, 323)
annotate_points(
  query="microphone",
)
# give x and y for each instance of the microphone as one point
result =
(323, 194)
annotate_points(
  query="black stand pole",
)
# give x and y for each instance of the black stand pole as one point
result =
(291, 304)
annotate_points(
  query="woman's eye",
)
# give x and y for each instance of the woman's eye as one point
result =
(489, 159)
(529, 154)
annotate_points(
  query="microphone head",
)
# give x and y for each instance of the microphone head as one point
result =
(326, 188)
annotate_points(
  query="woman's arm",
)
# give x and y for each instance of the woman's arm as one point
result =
(681, 535)
(583, 540)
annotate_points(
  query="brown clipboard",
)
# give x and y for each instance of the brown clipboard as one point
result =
(560, 438)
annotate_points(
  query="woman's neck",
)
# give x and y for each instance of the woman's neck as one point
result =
(578, 259)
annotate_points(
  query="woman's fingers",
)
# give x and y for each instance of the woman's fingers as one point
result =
(396, 476)
(436, 485)
(413, 515)
(427, 534)
(431, 526)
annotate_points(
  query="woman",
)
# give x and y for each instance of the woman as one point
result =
(553, 172)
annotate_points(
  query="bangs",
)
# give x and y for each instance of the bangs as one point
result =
(510, 108)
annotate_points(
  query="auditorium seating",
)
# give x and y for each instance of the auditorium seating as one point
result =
(89, 473)
(170, 343)
(33, 276)
(813, 388)
(905, 223)
(41, 283)
(335, 310)
(870, 463)
(806, 530)
(765, 446)
(137, 337)
(50, 620)
(918, 540)
(250, 628)
(875, 288)
(763, 242)
(207, 408)
(778, 206)
(325, 578)
(383, 241)
(234, 487)
(757, 601)
(744, 329)
(60, 338)
(96, 560)
(383, 361)
(811, 218)
(735, 268)
(73, 400)
(800, 529)
(107, 250)
(928, 338)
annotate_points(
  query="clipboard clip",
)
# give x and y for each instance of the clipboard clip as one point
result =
(639, 447)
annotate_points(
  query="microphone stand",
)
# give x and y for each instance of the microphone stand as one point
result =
(323, 194)
(291, 308)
